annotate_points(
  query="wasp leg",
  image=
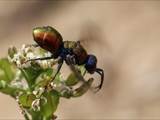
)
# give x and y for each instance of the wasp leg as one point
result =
(101, 73)
(70, 62)
(83, 88)
(77, 92)
(44, 58)
(60, 63)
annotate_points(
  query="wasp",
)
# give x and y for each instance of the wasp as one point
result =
(72, 52)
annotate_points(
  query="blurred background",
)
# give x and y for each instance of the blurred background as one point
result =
(124, 35)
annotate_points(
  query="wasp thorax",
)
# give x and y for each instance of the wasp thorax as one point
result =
(48, 38)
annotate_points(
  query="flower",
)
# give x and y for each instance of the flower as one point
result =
(36, 105)
(23, 57)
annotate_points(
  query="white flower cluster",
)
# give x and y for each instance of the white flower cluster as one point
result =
(23, 57)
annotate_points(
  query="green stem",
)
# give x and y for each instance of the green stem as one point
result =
(26, 78)
(26, 117)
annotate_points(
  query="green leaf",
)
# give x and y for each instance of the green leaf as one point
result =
(3, 84)
(7, 70)
(9, 90)
(71, 80)
(49, 106)
(7, 74)
(26, 100)
(36, 115)
(44, 78)
(31, 74)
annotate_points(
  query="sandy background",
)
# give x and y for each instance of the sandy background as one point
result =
(124, 35)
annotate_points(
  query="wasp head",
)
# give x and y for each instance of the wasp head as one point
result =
(91, 64)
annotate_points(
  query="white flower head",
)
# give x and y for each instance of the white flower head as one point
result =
(43, 64)
(38, 92)
(30, 55)
(23, 57)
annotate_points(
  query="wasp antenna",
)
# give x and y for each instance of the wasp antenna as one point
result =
(101, 73)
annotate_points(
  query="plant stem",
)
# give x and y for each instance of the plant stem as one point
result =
(26, 116)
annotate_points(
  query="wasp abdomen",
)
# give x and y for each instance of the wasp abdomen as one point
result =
(48, 38)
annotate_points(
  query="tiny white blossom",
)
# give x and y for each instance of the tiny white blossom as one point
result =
(18, 63)
(35, 92)
(43, 64)
(53, 85)
(45, 100)
(17, 99)
(30, 55)
(36, 105)
(38, 92)
(23, 46)
(26, 65)
(41, 89)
